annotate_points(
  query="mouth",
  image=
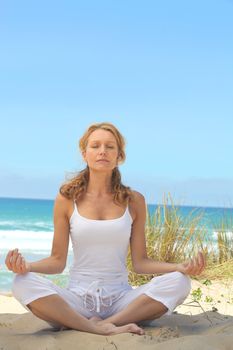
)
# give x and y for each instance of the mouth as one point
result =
(103, 160)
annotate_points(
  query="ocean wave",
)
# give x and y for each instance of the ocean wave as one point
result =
(7, 222)
(36, 241)
(25, 225)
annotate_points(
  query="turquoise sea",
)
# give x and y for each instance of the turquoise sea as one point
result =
(27, 224)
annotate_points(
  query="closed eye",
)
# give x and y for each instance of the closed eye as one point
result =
(96, 146)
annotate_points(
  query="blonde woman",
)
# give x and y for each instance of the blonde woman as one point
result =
(102, 217)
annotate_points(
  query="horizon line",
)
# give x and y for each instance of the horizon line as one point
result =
(157, 204)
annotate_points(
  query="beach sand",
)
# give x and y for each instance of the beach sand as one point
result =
(205, 325)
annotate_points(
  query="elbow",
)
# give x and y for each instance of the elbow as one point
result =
(58, 264)
(137, 268)
(61, 268)
(140, 265)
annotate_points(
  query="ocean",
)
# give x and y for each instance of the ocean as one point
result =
(27, 224)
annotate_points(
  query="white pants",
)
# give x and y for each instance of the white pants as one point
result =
(94, 298)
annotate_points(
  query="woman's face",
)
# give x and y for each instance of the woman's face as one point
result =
(102, 150)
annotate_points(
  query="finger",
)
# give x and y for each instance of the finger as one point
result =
(201, 259)
(18, 266)
(203, 266)
(199, 266)
(194, 267)
(186, 263)
(11, 257)
(204, 261)
(8, 258)
(191, 264)
(196, 263)
(189, 267)
(23, 264)
(18, 261)
(8, 255)
(14, 257)
(21, 267)
(199, 263)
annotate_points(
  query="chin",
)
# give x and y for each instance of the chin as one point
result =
(102, 167)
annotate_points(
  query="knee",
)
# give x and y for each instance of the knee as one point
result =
(20, 285)
(182, 284)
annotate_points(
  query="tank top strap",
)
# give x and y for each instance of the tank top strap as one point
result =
(127, 212)
(75, 205)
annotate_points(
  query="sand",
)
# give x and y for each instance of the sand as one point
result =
(205, 325)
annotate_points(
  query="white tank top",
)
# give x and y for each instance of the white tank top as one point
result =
(100, 248)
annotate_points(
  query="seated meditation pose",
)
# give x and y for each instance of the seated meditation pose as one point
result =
(103, 218)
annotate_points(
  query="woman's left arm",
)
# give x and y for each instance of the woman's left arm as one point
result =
(140, 261)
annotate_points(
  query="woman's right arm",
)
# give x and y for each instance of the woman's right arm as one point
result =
(56, 262)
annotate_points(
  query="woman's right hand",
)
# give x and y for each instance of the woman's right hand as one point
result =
(15, 262)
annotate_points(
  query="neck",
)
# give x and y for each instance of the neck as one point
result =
(99, 183)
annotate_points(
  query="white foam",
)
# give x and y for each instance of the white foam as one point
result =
(22, 225)
(42, 223)
(7, 222)
(39, 241)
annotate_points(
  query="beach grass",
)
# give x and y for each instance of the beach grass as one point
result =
(171, 237)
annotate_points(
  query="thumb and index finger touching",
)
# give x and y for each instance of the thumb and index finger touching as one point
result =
(11, 258)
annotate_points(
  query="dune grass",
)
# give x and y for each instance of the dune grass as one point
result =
(171, 237)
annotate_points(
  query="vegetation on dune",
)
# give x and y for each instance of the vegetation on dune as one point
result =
(171, 237)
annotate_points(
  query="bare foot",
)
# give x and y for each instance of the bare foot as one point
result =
(110, 328)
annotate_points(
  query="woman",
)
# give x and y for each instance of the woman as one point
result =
(102, 216)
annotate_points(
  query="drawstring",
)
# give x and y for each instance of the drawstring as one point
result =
(97, 297)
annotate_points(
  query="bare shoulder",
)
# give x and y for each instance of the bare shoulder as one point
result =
(137, 198)
(62, 200)
(63, 205)
(137, 204)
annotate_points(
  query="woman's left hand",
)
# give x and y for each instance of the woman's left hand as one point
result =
(194, 266)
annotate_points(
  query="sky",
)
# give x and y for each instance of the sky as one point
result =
(161, 71)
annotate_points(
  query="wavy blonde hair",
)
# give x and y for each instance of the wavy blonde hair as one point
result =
(76, 187)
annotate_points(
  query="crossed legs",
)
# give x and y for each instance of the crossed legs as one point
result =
(54, 309)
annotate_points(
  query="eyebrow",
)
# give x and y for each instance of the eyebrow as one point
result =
(108, 141)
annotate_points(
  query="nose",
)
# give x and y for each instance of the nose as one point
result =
(102, 149)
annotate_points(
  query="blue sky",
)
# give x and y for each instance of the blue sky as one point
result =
(161, 71)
